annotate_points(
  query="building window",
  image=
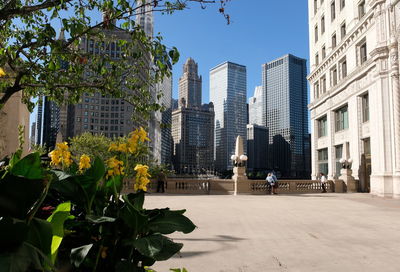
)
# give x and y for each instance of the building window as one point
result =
(316, 59)
(323, 52)
(323, 160)
(323, 84)
(342, 4)
(333, 11)
(365, 107)
(316, 33)
(316, 90)
(338, 156)
(333, 40)
(333, 76)
(361, 9)
(343, 68)
(341, 119)
(362, 48)
(322, 24)
(315, 6)
(343, 30)
(322, 127)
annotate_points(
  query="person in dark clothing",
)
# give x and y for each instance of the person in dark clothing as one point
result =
(161, 182)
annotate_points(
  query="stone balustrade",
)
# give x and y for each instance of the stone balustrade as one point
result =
(227, 186)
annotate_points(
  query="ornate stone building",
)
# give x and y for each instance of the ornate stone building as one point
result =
(355, 93)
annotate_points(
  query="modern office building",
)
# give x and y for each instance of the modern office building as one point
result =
(165, 88)
(228, 94)
(192, 126)
(193, 137)
(47, 122)
(285, 83)
(354, 50)
(257, 148)
(257, 107)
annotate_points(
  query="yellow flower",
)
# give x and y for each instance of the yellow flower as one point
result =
(113, 147)
(84, 162)
(61, 155)
(115, 167)
(142, 177)
(142, 134)
(122, 148)
(2, 72)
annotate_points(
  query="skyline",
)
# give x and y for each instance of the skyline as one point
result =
(236, 42)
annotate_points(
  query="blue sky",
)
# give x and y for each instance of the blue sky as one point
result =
(260, 31)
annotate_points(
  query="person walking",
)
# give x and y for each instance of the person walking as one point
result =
(160, 182)
(269, 183)
(323, 180)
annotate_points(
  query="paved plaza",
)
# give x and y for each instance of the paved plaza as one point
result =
(319, 232)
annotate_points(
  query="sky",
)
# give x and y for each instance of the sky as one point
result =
(260, 31)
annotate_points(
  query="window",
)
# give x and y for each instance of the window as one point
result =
(316, 33)
(322, 24)
(333, 76)
(365, 107)
(322, 127)
(323, 160)
(333, 11)
(316, 90)
(343, 68)
(316, 59)
(361, 9)
(342, 4)
(338, 156)
(343, 30)
(341, 119)
(315, 6)
(323, 52)
(323, 84)
(333, 40)
(363, 52)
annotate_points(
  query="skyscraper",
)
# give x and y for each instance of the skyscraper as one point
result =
(257, 107)
(190, 84)
(228, 93)
(145, 17)
(165, 87)
(47, 122)
(285, 84)
(192, 126)
(257, 147)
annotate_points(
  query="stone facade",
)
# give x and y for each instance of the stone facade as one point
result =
(355, 95)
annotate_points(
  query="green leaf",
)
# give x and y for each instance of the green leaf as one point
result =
(61, 175)
(57, 219)
(100, 219)
(40, 235)
(79, 254)
(157, 246)
(170, 221)
(19, 260)
(12, 233)
(137, 199)
(18, 195)
(132, 216)
(28, 167)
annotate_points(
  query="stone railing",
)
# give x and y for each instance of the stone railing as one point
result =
(227, 186)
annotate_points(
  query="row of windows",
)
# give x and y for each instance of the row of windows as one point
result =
(361, 11)
(342, 117)
(322, 157)
(339, 71)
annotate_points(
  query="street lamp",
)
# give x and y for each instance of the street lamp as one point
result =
(239, 161)
(346, 163)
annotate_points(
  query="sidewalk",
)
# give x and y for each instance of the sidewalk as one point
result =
(319, 232)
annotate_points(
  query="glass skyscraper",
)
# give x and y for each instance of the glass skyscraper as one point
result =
(285, 84)
(228, 94)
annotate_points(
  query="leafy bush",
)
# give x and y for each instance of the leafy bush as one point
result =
(72, 216)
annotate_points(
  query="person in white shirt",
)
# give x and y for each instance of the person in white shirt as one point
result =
(323, 180)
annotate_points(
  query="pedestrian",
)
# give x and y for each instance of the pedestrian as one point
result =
(275, 183)
(161, 178)
(323, 180)
(269, 182)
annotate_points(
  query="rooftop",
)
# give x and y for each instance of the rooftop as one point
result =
(318, 232)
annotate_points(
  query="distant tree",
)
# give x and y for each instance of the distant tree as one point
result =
(35, 61)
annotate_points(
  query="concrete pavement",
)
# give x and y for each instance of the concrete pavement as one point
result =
(319, 232)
